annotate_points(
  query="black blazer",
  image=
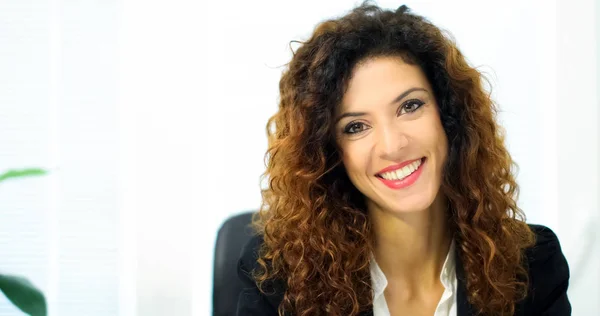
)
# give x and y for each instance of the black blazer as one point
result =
(548, 277)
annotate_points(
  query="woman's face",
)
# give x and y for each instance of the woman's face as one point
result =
(389, 130)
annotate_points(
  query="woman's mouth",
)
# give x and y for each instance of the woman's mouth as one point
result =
(404, 176)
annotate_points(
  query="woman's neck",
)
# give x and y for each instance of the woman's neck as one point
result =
(411, 247)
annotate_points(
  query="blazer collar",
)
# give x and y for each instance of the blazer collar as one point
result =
(463, 307)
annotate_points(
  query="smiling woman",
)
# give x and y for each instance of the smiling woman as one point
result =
(394, 136)
(390, 190)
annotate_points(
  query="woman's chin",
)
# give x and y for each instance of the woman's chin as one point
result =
(411, 205)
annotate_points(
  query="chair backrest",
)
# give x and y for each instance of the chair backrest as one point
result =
(233, 235)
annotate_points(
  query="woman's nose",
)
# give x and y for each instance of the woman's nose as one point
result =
(391, 141)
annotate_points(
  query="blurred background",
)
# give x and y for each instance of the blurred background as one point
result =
(150, 118)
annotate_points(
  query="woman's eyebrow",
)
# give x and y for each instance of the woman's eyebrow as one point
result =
(405, 93)
(396, 100)
(349, 114)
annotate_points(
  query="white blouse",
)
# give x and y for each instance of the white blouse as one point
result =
(447, 304)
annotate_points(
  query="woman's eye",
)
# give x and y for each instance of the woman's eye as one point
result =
(354, 128)
(410, 106)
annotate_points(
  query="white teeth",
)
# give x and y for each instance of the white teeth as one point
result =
(402, 172)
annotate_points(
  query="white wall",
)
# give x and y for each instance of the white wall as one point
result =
(578, 148)
(152, 117)
(58, 73)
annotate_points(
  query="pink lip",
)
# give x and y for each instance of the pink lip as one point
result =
(400, 184)
(398, 166)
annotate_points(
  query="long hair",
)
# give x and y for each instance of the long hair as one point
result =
(317, 235)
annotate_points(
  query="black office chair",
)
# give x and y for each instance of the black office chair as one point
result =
(233, 235)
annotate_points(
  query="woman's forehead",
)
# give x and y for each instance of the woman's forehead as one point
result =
(381, 80)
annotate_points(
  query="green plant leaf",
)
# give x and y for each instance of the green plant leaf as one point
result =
(20, 173)
(24, 295)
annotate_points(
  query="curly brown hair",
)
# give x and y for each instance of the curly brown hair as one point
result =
(317, 235)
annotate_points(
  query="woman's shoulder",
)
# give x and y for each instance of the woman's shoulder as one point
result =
(548, 275)
(546, 241)
(546, 254)
(249, 255)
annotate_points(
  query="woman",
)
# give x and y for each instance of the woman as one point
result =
(391, 191)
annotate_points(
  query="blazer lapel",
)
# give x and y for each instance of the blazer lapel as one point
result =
(463, 307)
